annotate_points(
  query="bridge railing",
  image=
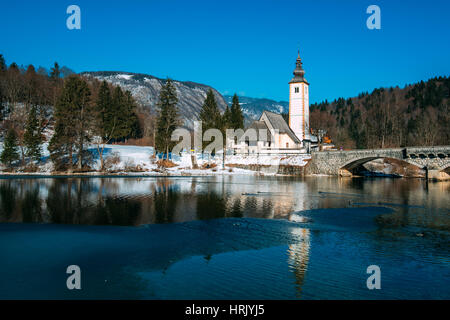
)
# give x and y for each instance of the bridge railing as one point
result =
(443, 151)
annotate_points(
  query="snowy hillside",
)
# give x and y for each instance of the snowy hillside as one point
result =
(145, 89)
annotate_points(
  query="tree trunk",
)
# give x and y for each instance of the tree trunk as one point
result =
(22, 151)
(80, 158)
(80, 154)
(70, 157)
(100, 154)
(224, 155)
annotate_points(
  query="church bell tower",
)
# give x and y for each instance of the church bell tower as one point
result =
(299, 102)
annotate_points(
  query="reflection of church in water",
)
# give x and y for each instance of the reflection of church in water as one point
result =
(299, 257)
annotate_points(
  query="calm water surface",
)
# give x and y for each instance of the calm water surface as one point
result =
(232, 237)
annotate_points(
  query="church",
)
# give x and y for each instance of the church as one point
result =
(274, 135)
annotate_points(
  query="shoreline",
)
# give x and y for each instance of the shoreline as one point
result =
(6, 175)
(137, 174)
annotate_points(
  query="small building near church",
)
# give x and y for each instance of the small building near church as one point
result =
(271, 134)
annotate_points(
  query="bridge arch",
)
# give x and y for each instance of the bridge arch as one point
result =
(435, 159)
(353, 164)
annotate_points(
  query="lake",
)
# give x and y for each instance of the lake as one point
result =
(224, 237)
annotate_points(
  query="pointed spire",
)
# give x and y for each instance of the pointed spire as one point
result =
(298, 71)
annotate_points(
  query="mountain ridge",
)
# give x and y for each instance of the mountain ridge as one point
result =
(145, 89)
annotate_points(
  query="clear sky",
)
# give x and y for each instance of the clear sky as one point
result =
(248, 47)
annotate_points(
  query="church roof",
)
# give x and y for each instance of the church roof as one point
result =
(260, 125)
(299, 73)
(278, 123)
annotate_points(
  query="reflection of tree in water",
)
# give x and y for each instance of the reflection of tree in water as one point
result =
(170, 204)
(20, 203)
(235, 210)
(61, 203)
(258, 207)
(267, 208)
(165, 200)
(8, 192)
(31, 206)
(68, 201)
(73, 201)
(210, 206)
(117, 211)
(250, 204)
(214, 205)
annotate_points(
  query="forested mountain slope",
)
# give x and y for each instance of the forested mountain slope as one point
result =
(415, 115)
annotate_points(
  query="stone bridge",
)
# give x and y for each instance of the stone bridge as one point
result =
(434, 160)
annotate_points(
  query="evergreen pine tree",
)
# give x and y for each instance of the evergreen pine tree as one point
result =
(227, 118)
(31, 86)
(237, 118)
(132, 125)
(60, 147)
(55, 71)
(106, 116)
(168, 118)
(73, 120)
(116, 113)
(32, 136)
(210, 115)
(119, 115)
(14, 66)
(105, 120)
(10, 151)
(2, 63)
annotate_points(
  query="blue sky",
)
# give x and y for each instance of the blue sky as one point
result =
(245, 46)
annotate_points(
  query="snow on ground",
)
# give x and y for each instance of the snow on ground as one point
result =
(124, 76)
(292, 160)
(140, 160)
(128, 156)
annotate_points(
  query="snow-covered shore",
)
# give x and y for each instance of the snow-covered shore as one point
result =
(137, 160)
